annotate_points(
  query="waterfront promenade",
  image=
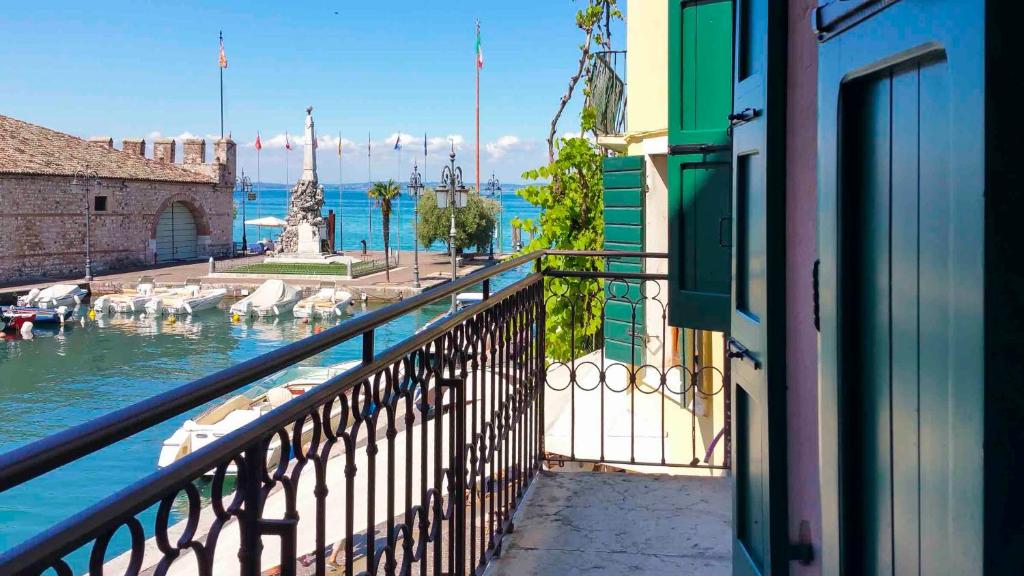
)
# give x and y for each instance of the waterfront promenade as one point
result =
(435, 268)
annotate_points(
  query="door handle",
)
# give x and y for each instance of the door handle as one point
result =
(721, 226)
(741, 352)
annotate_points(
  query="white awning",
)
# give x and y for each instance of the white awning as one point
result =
(270, 221)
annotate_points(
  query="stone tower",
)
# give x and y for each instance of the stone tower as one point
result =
(305, 211)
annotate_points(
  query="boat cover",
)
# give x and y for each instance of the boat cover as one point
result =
(273, 292)
(58, 291)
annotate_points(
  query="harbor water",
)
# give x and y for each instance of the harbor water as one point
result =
(357, 219)
(93, 366)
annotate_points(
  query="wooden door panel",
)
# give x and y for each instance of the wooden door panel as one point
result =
(865, 339)
(758, 306)
(900, 238)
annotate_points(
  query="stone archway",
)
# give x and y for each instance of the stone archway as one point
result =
(179, 230)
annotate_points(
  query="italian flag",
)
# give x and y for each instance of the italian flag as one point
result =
(479, 48)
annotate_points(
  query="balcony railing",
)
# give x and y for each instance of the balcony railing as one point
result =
(415, 461)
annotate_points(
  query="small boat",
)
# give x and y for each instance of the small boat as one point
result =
(328, 303)
(128, 300)
(463, 300)
(55, 296)
(272, 298)
(189, 299)
(14, 317)
(243, 409)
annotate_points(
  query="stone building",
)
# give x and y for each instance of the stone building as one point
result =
(61, 195)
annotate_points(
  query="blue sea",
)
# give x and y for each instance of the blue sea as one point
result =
(355, 216)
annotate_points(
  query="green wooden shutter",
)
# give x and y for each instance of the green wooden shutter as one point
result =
(700, 174)
(624, 230)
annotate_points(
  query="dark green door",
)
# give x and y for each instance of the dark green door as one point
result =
(624, 189)
(699, 173)
(758, 306)
(901, 241)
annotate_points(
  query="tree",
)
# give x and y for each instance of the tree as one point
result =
(383, 193)
(572, 207)
(571, 218)
(595, 22)
(474, 224)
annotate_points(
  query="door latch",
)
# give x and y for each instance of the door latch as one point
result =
(741, 352)
(743, 116)
(681, 149)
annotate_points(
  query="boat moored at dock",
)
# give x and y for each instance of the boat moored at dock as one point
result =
(272, 298)
(55, 296)
(329, 302)
(245, 408)
(14, 317)
(128, 300)
(189, 299)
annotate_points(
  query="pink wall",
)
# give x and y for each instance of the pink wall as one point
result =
(801, 251)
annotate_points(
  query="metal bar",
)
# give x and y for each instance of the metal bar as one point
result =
(607, 253)
(459, 493)
(22, 464)
(605, 275)
(90, 523)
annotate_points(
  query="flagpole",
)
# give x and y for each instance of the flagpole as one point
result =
(369, 202)
(341, 202)
(398, 202)
(259, 194)
(477, 66)
(221, 68)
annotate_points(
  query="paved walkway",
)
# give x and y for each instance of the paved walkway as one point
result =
(435, 267)
(616, 523)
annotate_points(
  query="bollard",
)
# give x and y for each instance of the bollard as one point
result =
(213, 266)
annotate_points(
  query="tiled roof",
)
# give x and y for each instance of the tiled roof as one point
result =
(30, 149)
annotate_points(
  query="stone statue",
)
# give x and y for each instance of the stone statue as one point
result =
(305, 211)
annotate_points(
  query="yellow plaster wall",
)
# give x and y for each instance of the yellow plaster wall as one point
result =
(647, 66)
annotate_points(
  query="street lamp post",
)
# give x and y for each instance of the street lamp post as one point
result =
(452, 193)
(88, 218)
(494, 189)
(247, 194)
(416, 189)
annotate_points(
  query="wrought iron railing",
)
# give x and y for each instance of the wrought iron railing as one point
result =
(413, 462)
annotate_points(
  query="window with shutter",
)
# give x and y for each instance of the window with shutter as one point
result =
(624, 230)
(700, 206)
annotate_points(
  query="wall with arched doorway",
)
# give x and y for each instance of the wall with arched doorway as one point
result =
(47, 219)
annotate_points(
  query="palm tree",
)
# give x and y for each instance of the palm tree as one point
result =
(383, 193)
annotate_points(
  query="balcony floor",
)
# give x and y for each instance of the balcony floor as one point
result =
(616, 523)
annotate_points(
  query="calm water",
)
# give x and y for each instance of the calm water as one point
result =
(354, 210)
(64, 378)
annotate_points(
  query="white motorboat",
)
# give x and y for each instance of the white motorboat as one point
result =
(328, 303)
(272, 298)
(245, 408)
(189, 299)
(55, 296)
(462, 300)
(128, 300)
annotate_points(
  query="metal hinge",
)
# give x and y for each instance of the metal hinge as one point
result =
(815, 287)
(802, 551)
(739, 351)
(681, 149)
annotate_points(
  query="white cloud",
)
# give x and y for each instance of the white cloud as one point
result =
(506, 144)
(330, 142)
(444, 143)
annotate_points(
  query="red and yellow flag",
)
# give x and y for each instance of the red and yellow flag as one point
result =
(223, 57)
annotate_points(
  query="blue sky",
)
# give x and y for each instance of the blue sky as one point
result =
(126, 69)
